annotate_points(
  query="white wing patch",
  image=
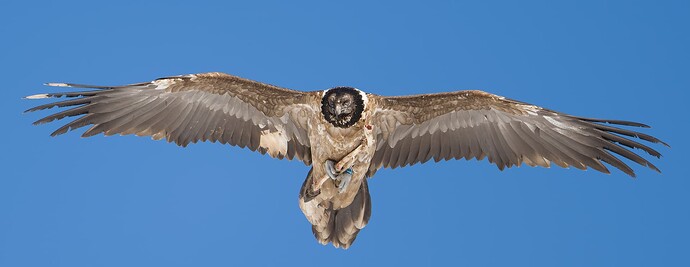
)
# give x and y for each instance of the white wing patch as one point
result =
(57, 84)
(531, 109)
(38, 96)
(274, 142)
(162, 84)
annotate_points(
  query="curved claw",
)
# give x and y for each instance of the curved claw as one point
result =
(344, 178)
(330, 169)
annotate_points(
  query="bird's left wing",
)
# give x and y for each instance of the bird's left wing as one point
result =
(197, 107)
(476, 124)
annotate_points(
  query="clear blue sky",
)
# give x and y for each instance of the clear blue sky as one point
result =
(131, 201)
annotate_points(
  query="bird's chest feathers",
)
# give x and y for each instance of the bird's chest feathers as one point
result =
(336, 142)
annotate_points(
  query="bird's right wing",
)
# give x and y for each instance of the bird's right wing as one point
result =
(210, 106)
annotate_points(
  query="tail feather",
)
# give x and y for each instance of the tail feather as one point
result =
(339, 227)
(344, 224)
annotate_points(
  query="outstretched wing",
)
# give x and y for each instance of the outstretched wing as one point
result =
(476, 124)
(211, 106)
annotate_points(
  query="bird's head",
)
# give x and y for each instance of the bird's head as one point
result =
(342, 106)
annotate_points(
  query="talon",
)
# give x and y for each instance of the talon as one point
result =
(344, 178)
(330, 170)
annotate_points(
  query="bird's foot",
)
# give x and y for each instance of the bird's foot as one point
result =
(330, 169)
(342, 179)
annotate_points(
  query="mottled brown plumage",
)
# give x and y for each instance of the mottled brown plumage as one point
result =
(476, 124)
(378, 132)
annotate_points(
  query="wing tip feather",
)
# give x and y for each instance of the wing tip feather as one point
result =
(57, 84)
(38, 96)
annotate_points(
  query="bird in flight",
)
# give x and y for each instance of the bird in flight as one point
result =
(346, 135)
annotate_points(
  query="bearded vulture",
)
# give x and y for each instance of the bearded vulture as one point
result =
(345, 134)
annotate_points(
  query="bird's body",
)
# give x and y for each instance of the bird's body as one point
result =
(346, 135)
(336, 144)
(330, 211)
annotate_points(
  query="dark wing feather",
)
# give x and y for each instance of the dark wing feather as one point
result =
(199, 107)
(476, 124)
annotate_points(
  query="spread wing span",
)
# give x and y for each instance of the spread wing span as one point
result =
(476, 124)
(210, 106)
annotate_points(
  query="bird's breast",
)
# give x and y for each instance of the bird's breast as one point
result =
(334, 142)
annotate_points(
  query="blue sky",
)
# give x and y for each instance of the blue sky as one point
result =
(130, 201)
